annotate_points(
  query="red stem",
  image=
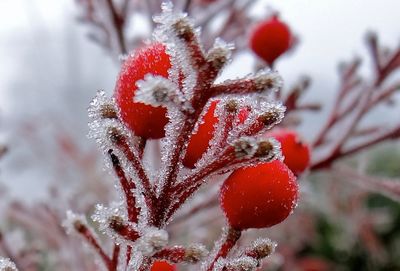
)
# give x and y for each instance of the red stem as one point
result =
(118, 23)
(84, 231)
(231, 238)
(127, 186)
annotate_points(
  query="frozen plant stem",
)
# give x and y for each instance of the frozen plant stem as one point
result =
(368, 96)
(243, 113)
(231, 237)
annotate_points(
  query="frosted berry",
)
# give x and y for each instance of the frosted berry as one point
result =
(296, 152)
(200, 140)
(144, 120)
(162, 266)
(259, 196)
(270, 39)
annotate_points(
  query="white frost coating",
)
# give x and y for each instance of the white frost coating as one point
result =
(71, 220)
(244, 263)
(196, 252)
(245, 147)
(122, 261)
(276, 152)
(221, 50)
(264, 246)
(151, 240)
(7, 265)
(98, 103)
(181, 71)
(217, 246)
(156, 91)
(103, 214)
(135, 261)
(268, 80)
(172, 132)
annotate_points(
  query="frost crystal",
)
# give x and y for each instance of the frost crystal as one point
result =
(245, 147)
(73, 222)
(195, 253)
(7, 265)
(107, 217)
(244, 263)
(156, 90)
(268, 80)
(263, 247)
(152, 239)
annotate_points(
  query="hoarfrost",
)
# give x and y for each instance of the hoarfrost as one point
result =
(70, 222)
(152, 239)
(156, 91)
(7, 265)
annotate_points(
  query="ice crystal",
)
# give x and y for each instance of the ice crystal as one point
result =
(244, 263)
(195, 253)
(152, 239)
(73, 222)
(263, 247)
(7, 265)
(156, 90)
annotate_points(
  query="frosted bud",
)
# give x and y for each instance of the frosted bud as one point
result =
(244, 263)
(220, 54)
(152, 240)
(155, 90)
(102, 107)
(231, 106)
(264, 148)
(7, 265)
(268, 80)
(183, 29)
(74, 223)
(195, 253)
(263, 247)
(116, 223)
(273, 114)
(245, 147)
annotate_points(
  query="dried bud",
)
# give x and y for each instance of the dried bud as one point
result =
(220, 54)
(116, 223)
(79, 226)
(244, 263)
(160, 94)
(183, 29)
(155, 90)
(153, 239)
(245, 147)
(262, 248)
(195, 253)
(270, 118)
(231, 106)
(108, 111)
(268, 81)
(264, 148)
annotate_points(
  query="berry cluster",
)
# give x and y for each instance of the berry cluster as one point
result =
(166, 92)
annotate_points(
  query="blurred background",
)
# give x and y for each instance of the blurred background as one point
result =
(50, 69)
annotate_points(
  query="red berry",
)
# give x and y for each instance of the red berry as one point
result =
(296, 152)
(144, 120)
(199, 141)
(259, 196)
(162, 266)
(270, 39)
